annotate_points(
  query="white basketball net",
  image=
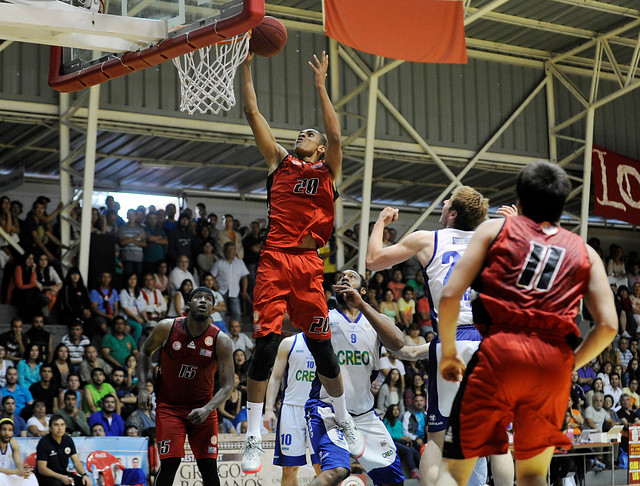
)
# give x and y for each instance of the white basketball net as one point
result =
(206, 75)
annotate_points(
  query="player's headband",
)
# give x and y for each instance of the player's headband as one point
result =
(201, 289)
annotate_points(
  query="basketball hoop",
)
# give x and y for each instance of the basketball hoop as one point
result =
(207, 74)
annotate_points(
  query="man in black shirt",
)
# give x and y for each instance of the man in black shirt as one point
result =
(45, 390)
(52, 457)
(13, 341)
(37, 335)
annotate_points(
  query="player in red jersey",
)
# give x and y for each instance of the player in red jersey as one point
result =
(290, 273)
(192, 349)
(530, 275)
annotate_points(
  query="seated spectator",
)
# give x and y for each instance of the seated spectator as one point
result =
(105, 301)
(12, 341)
(632, 391)
(633, 277)
(49, 284)
(598, 386)
(95, 391)
(162, 281)
(423, 315)
(43, 338)
(378, 283)
(8, 411)
(75, 420)
(73, 385)
(75, 302)
(631, 372)
(180, 299)
(576, 420)
(97, 430)
(123, 392)
(130, 370)
(92, 361)
(413, 368)
(21, 394)
(596, 416)
(390, 393)
(615, 267)
(135, 317)
(142, 419)
(389, 307)
(607, 405)
(241, 367)
(233, 409)
(52, 457)
(239, 339)
(577, 394)
(609, 354)
(408, 454)
(13, 472)
(387, 363)
(38, 424)
(414, 423)
(29, 368)
(416, 283)
(25, 294)
(623, 352)
(586, 377)
(614, 389)
(627, 417)
(151, 301)
(108, 417)
(417, 388)
(606, 369)
(635, 303)
(180, 273)
(117, 345)
(61, 365)
(397, 284)
(207, 258)
(407, 307)
(46, 390)
(371, 299)
(232, 277)
(413, 337)
(4, 364)
(76, 343)
(219, 305)
(156, 241)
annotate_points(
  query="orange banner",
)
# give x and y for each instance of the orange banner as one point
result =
(430, 31)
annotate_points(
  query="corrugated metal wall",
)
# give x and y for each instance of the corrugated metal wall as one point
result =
(455, 106)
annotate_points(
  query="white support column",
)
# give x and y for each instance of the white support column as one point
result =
(334, 84)
(89, 174)
(551, 116)
(65, 177)
(368, 173)
(586, 178)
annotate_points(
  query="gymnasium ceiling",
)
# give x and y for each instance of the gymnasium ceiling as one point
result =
(169, 160)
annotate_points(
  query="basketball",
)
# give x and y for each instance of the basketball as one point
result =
(268, 38)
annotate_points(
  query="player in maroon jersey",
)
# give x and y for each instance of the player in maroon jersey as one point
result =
(290, 273)
(192, 349)
(530, 275)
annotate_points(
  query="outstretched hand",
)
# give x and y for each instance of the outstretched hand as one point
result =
(452, 368)
(320, 68)
(388, 215)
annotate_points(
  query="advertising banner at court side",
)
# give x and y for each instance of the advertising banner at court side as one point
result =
(430, 31)
(616, 182)
(634, 454)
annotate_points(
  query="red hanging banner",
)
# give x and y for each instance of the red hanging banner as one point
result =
(430, 31)
(616, 182)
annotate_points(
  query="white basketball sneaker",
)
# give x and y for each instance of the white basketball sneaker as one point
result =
(355, 439)
(251, 462)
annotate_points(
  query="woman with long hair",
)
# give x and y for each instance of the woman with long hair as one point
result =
(74, 299)
(4, 364)
(73, 385)
(406, 451)
(598, 386)
(390, 393)
(162, 281)
(241, 367)
(607, 368)
(417, 387)
(379, 283)
(207, 257)
(180, 299)
(50, 284)
(129, 304)
(25, 289)
(632, 372)
(130, 370)
(60, 366)
(389, 307)
(29, 367)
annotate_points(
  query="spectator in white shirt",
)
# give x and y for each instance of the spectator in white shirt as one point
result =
(181, 273)
(239, 339)
(232, 275)
(614, 389)
(151, 300)
(219, 306)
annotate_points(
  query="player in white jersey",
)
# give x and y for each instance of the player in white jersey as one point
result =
(295, 364)
(357, 332)
(12, 471)
(438, 252)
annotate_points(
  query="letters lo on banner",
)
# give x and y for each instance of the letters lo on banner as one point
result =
(616, 181)
(430, 31)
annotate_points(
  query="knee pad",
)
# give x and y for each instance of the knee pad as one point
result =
(324, 356)
(264, 355)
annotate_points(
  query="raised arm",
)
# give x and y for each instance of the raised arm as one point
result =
(272, 152)
(418, 243)
(333, 152)
(599, 301)
(279, 367)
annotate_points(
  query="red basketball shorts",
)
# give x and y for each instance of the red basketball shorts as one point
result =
(513, 378)
(290, 281)
(172, 427)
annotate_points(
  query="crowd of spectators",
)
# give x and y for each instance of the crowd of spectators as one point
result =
(142, 271)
